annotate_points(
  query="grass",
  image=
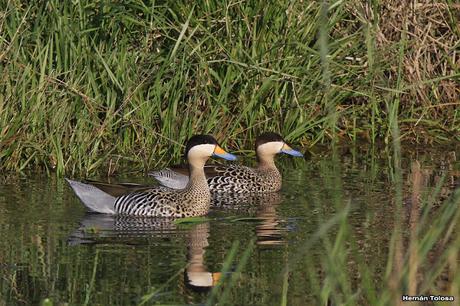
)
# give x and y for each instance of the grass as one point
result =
(95, 85)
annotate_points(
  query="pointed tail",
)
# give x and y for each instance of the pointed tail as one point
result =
(94, 199)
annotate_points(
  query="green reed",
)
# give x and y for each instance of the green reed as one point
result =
(91, 85)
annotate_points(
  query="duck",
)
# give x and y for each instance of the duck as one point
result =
(265, 177)
(157, 201)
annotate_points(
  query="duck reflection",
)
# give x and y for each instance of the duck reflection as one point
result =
(263, 206)
(269, 231)
(197, 275)
(97, 228)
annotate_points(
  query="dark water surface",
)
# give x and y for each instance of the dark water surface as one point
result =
(51, 248)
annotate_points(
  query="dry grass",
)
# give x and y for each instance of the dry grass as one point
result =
(432, 50)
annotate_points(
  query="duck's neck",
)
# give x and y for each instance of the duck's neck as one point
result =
(197, 177)
(266, 163)
(268, 173)
(198, 190)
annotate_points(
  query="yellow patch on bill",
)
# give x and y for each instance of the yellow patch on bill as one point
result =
(219, 150)
(286, 147)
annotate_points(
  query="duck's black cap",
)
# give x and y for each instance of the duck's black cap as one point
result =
(198, 140)
(267, 137)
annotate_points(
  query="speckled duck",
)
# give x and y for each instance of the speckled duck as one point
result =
(238, 179)
(192, 200)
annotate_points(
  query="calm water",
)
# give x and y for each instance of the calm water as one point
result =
(51, 248)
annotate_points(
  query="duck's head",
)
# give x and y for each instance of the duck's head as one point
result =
(200, 147)
(269, 144)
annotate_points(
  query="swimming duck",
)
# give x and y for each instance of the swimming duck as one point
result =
(238, 179)
(131, 199)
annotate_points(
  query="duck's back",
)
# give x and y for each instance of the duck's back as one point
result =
(242, 179)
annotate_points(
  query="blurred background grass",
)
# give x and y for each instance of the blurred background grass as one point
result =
(89, 85)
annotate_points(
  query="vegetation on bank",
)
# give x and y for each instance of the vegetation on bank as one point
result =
(89, 85)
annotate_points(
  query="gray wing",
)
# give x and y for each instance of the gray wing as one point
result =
(177, 177)
(170, 178)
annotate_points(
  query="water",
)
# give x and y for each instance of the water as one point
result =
(50, 247)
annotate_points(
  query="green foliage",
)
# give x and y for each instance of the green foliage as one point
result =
(90, 85)
(47, 302)
(191, 220)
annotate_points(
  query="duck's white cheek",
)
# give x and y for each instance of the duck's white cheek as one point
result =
(272, 147)
(202, 150)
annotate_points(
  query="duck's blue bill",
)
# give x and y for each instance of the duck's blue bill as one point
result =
(219, 152)
(226, 156)
(288, 150)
